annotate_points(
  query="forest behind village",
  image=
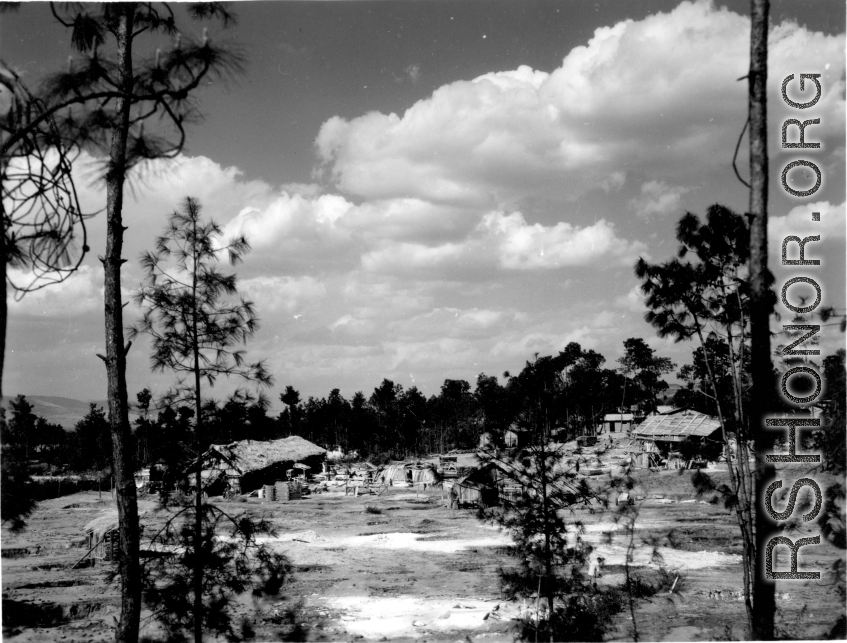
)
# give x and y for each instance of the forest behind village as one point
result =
(559, 397)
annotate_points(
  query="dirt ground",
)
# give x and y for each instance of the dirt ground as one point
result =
(412, 568)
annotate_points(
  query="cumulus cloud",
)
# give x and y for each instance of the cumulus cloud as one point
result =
(523, 246)
(508, 242)
(283, 294)
(618, 102)
(831, 228)
(79, 294)
(799, 222)
(613, 182)
(437, 241)
(657, 198)
(413, 257)
(632, 301)
(288, 216)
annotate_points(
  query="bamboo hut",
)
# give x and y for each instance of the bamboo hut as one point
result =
(477, 488)
(240, 467)
(102, 537)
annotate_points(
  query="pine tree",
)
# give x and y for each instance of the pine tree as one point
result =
(102, 101)
(194, 329)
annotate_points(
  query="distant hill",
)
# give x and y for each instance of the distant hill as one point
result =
(63, 411)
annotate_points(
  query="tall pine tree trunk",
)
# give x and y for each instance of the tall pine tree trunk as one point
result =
(130, 570)
(4, 306)
(760, 309)
(198, 479)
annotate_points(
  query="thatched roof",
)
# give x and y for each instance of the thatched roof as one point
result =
(103, 523)
(106, 521)
(676, 427)
(254, 455)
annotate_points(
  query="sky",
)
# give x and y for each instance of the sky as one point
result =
(438, 189)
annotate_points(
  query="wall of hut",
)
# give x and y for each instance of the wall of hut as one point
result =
(275, 472)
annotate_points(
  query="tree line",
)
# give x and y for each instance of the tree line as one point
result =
(554, 396)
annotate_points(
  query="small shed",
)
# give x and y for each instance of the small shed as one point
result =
(102, 537)
(617, 422)
(480, 487)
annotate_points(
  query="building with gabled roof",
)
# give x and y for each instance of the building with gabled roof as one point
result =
(678, 426)
(617, 422)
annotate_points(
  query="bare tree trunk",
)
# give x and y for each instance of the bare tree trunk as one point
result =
(198, 479)
(198, 433)
(127, 630)
(760, 308)
(4, 306)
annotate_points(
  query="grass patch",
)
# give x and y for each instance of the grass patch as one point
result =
(372, 510)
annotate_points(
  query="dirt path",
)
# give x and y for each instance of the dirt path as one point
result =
(410, 568)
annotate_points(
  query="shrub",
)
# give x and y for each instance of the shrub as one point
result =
(373, 510)
(579, 617)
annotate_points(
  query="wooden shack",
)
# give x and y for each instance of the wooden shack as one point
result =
(663, 433)
(479, 488)
(102, 537)
(617, 422)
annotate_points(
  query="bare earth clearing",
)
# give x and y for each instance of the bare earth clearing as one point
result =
(417, 570)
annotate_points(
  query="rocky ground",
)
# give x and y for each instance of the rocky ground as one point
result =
(411, 568)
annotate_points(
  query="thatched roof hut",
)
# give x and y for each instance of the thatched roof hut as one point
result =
(102, 535)
(249, 464)
(478, 487)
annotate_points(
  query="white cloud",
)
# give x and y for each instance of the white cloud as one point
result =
(507, 241)
(524, 246)
(288, 216)
(832, 229)
(619, 102)
(283, 294)
(799, 222)
(658, 199)
(79, 294)
(412, 257)
(443, 247)
(613, 182)
(632, 301)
